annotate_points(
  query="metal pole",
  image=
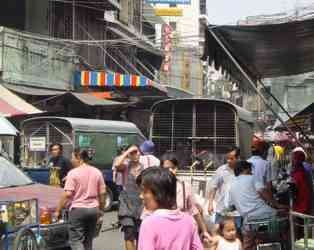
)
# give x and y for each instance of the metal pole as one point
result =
(252, 84)
(73, 19)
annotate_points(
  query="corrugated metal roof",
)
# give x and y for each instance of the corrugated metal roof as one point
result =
(33, 91)
(242, 113)
(91, 100)
(12, 105)
(92, 125)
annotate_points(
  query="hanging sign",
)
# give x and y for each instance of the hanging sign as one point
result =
(37, 144)
(169, 12)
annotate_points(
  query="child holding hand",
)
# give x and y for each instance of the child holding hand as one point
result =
(227, 236)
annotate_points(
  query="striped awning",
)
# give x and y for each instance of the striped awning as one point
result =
(13, 105)
(103, 79)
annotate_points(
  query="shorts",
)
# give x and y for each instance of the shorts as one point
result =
(130, 233)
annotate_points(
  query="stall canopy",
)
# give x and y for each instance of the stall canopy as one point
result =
(115, 81)
(6, 128)
(12, 105)
(263, 51)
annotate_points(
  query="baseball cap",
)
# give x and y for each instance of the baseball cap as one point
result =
(147, 147)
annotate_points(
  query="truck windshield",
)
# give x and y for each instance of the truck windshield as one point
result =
(11, 176)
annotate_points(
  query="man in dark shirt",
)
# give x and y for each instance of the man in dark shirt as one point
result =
(58, 162)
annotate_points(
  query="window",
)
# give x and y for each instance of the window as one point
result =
(104, 147)
(173, 25)
(203, 10)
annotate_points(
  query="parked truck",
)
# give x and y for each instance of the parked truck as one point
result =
(102, 138)
(200, 131)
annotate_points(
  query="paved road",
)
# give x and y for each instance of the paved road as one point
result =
(110, 240)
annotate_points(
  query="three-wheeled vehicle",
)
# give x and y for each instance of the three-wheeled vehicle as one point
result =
(200, 130)
(102, 138)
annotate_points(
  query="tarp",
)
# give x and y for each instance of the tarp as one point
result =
(6, 127)
(263, 51)
(12, 105)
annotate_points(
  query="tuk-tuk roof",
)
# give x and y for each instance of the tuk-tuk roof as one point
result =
(242, 113)
(91, 125)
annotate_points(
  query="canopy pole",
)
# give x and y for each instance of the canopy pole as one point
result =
(253, 84)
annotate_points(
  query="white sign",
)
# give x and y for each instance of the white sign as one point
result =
(37, 144)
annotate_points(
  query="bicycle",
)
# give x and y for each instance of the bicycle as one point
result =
(19, 225)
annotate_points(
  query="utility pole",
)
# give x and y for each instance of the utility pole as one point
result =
(73, 19)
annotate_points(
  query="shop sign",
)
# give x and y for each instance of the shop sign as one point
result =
(169, 12)
(37, 144)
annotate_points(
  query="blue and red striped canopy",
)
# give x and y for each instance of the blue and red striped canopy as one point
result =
(103, 79)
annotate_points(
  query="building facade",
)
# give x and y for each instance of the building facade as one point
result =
(182, 67)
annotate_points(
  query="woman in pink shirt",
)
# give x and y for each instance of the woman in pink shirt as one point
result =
(185, 198)
(167, 228)
(85, 190)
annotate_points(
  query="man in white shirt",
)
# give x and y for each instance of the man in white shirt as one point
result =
(261, 168)
(220, 186)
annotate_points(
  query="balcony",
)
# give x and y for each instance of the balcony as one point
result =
(34, 60)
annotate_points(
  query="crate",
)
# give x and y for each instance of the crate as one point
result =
(17, 214)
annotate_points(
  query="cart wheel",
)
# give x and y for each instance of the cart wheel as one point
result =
(25, 240)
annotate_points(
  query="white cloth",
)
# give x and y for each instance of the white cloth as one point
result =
(149, 161)
(221, 182)
(226, 245)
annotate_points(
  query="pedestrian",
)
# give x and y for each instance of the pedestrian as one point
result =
(227, 236)
(251, 199)
(302, 179)
(303, 185)
(219, 187)
(261, 168)
(167, 228)
(147, 158)
(130, 203)
(59, 166)
(185, 198)
(85, 190)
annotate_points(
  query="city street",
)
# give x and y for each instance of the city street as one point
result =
(110, 240)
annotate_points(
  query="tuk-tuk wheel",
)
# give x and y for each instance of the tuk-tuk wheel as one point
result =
(108, 200)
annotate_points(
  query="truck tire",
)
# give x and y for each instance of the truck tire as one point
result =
(108, 200)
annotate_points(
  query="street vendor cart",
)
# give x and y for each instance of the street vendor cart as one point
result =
(19, 225)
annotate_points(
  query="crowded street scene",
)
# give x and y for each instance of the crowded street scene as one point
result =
(156, 125)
